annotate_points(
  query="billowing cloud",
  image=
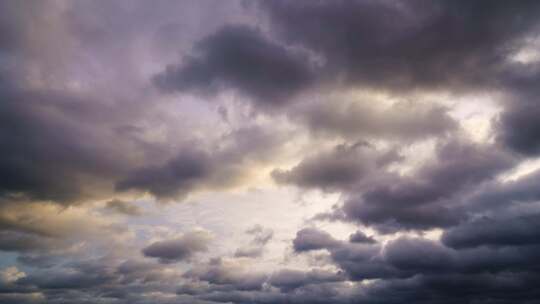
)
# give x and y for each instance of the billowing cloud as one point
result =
(343, 167)
(425, 199)
(307, 151)
(242, 58)
(309, 239)
(408, 45)
(178, 249)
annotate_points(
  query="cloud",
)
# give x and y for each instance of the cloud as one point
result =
(309, 239)
(179, 249)
(519, 128)
(370, 103)
(261, 237)
(360, 237)
(228, 276)
(487, 231)
(407, 45)
(196, 167)
(423, 200)
(241, 58)
(175, 178)
(288, 279)
(366, 118)
(123, 207)
(52, 163)
(340, 168)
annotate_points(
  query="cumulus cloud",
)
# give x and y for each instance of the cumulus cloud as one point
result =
(340, 168)
(242, 58)
(194, 168)
(411, 45)
(216, 105)
(309, 239)
(182, 248)
(360, 237)
(424, 199)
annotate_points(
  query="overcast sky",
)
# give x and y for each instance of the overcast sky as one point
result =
(264, 152)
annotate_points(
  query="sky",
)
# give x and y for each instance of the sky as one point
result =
(264, 152)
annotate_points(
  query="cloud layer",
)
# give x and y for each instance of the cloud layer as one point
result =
(269, 152)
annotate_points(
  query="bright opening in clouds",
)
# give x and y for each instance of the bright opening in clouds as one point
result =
(264, 152)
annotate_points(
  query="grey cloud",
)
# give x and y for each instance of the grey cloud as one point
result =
(288, 279)
(242, 58)
(179, 249)
(79, 116)
(423, 200)
(228, 277)
(197, 167)
(419, 256)
(404, 258)
(175, 178)
(51, 163)
(406, 45)
(261, 236)
(68, 135)
(340, 168)
(309, 239)
(362, 261)
(360, 237)
(452, 46)
(26, 242)
(487, 231)
(249, 252)
(39, 260)
(518, 127)
(499, 195)
(66, 279)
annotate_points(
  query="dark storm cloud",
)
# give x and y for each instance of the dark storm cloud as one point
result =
(360, 237)
(337, 169)
(486, 231)
(500, 195)
(43, 156)
(519, 126)
(423, 200)
(418, 256)
(409, 257)
(55, 132)
(176, 178)
(309, 239)
(222, 276)
(179, 249)
(242, 58)
(454, 46)
(67, 134)
(38, 260)
(17, 241)
(197, 167)
(407, 45)
(288, 279)
(66, 279)
(72, 128)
